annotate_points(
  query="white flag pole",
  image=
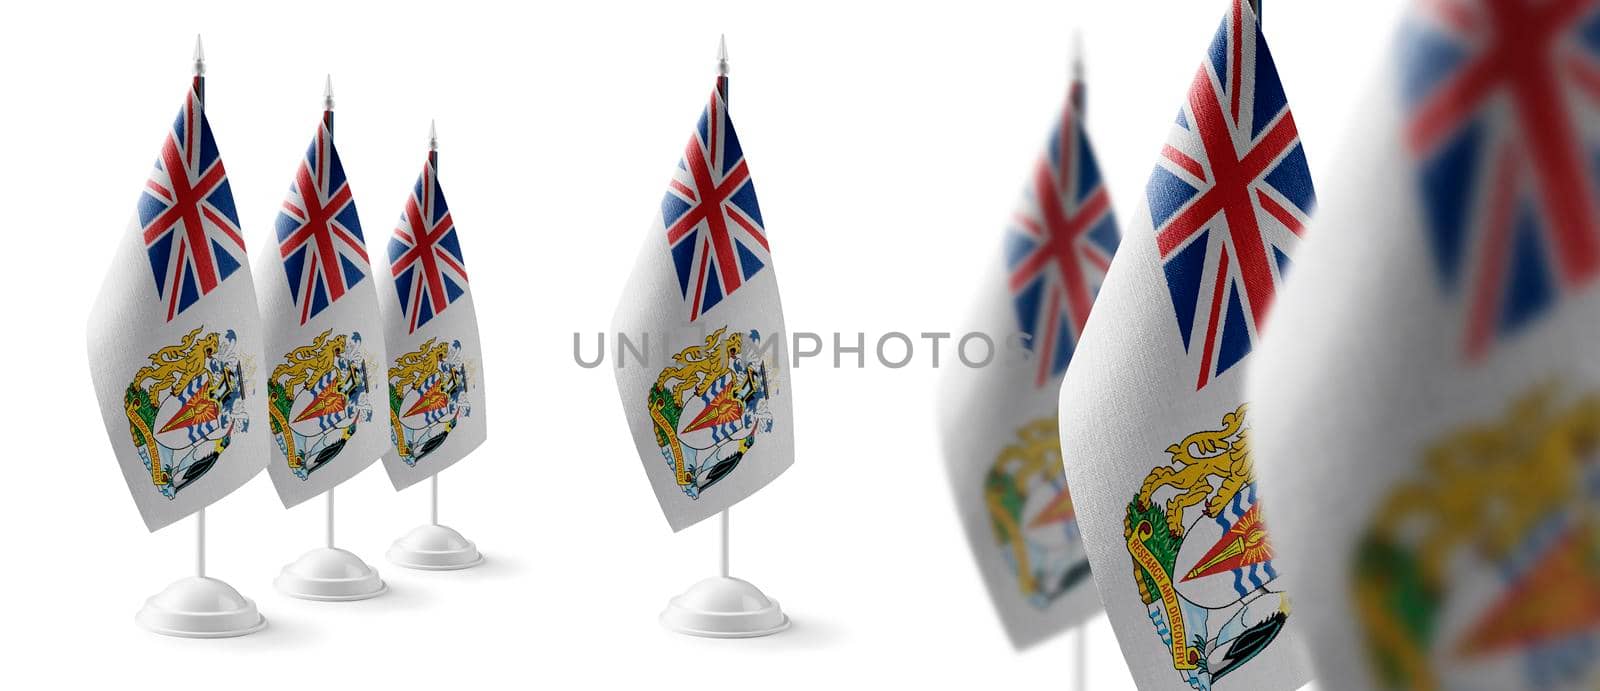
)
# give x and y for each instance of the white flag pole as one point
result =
(434, 547)
(724, 607)
(1080, 101)
(200, 607)
(324, 573)
(433, 501)
(724, 569)
(200, 544)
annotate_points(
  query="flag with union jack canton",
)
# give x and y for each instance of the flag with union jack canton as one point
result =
(425, 254)
(435, 408)
(190, 228)
(1155, 428)
(999, 424)
(1229, 196)
(1506, 154)
(1436, 510)
(325, 337)
(175, 359)
(319, 233)
(711, 420)
(713, 220)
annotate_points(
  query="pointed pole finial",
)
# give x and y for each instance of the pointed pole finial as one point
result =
(327, 93)
(1077, 56)
(722, 55)
(1075, 91)
(199, 57)
(433, 135)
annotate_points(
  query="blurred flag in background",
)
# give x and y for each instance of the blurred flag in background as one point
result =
(1429, 424)
(1001, 442)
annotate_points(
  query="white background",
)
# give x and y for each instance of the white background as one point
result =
(888, 143)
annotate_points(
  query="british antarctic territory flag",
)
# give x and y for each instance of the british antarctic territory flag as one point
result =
(712, 420)
(175, 360)
(1436, 508)
(1154, 426)
(326, 389)
(999, 424)
(435, 407)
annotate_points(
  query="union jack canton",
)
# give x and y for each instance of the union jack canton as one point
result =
(190, 228)
(1503, 100)
(425, 253)
(319, 235)
(712, 220)
(1229, 197)
(1059, 245)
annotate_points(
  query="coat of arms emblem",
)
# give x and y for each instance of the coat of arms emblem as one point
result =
(1201, 556)
(427, 397)
(317, 397)
(183, 408)
(1491, 555)
(710, 406)
(1032, 516)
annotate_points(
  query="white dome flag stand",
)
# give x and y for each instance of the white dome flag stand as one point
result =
(724, 607)
(200, 607)
(434, 547)
(330, 574)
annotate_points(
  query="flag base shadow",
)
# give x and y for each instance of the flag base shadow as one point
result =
(724, 608)
(199, 607)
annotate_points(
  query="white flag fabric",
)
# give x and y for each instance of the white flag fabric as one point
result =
(1154, 422)
(1429, 426)
(175, 339)
(1001, 445)
(705, 392)
(326, 387)
(435, 373)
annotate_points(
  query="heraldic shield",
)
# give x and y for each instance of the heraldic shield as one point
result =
(1201, 556)
(710, 407)
(183, 408)
(1035, 527)
(427, 397)
(317, 398)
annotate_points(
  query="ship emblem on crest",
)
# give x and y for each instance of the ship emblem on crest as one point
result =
(1031, 513)
(183, 408)
(317, 398)
(1201, 557)
(427, 397)
(710, 406)
(1503, 514)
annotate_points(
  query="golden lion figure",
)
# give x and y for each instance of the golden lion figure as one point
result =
(173, 367)
(700, 366)
(1487, 486)
(1223, 454)
(308, 363)
(411, 369)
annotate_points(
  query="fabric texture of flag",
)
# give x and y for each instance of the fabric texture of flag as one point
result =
(1436, 500)
(324, 338)
(435, 362)
(1154, 425)
(1001, 442)
(706, 397)
(175, 339)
